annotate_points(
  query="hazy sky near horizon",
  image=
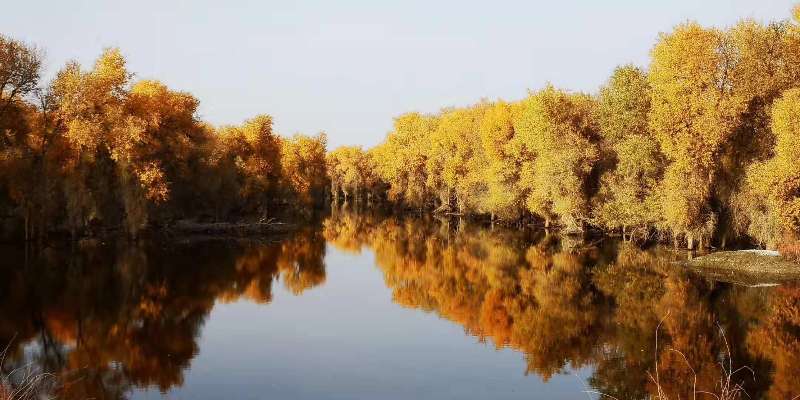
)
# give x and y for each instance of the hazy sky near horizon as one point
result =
(348, 67)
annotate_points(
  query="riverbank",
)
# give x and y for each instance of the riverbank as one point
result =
(749, 267)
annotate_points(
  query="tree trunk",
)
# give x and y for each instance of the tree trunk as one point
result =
(26, 224)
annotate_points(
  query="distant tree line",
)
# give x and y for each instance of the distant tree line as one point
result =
(95, 150)
(700, 148)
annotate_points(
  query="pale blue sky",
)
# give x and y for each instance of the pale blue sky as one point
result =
(349, 67)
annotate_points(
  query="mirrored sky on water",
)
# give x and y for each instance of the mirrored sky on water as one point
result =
(347, 339)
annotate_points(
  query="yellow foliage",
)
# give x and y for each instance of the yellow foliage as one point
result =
(303, 167)
(771, 198)
(401, 159)
(694, 111)
(628, 196)
(560, 133)
(351, 171)
(455, 160)
(503, 196)
(685, 147)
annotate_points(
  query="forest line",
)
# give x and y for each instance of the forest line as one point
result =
(700, 148)
(92, 150)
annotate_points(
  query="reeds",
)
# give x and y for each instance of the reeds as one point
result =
(729, 387)
(25, 382)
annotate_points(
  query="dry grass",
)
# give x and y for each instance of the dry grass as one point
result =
(24, 383)
(728, 387)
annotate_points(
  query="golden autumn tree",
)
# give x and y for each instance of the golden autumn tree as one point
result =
(772, 193)
(694, 112)
(21, 150)
(628, 191)
(303, 169)
(401, 159)
(765, 64)
(559, 132)
(503, 196)
(251, 152)
(157, 161)
(31, 169)
(20, 70)
(92, 109)
(352, 172)
(455, 163)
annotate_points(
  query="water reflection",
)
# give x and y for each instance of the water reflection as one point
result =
(569, 305)
(112, 318)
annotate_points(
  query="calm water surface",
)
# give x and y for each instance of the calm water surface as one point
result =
(362, 307)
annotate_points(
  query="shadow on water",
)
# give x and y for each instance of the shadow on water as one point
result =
(114, 317)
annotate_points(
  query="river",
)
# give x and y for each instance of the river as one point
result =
(361, 306)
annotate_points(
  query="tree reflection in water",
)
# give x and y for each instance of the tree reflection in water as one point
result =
(565, 304)
(117, 317)
(112, 318)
